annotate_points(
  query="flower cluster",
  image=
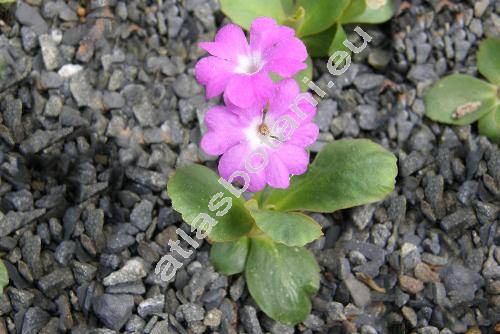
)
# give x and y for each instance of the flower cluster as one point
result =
(264, 127)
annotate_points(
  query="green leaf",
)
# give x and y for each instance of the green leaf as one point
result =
(327, 42)
(317, 45)
(296, 19)
(368, 11)
(281, 279)
(7, 1)
(337, 44)
(489, 125)
(243, 12)
(319, 15)
(345, 173)
(229, 258)
(191, 188)
(459, 99)
(291, 229)
(488, 60)
(355, 9)
(4, 277)
(305, 73)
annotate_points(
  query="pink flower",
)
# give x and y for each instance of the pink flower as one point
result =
(270, 136)
(241, 70)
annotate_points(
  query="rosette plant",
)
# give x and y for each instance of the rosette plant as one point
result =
(319, 23)
(462, 99)
(262, 133)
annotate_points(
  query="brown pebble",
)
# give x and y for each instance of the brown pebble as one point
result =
(101, 159)
(167, 234)
(80, 11)
(410, 284)
(38, 185)
(424, 273)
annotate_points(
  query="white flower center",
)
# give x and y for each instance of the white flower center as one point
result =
(250, 63)
(375, 4)
(257, 132)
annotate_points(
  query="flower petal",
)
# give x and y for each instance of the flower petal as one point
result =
(240, 91)
(263, 86)
(277, 173)
(224, 131)
(283, 96)
(285, 67)
(286, 58)
(233, 160)
(257, 181)
(265, 32)
(214, 73)
(305, 135)
(295, 158)
(220, 118)
(229, 42)
(216, 143)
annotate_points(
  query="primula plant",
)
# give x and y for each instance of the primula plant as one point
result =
(262, 133)
(461, 99)
(319, 23)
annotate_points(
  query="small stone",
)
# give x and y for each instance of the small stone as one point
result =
(113, 100)
(58, 279)
(50, 52)
(132, 271)
(144, 113)
(192, 312)
(22, 200)
(72, 117)
(379, 59)
(113, 310)
(336, 311)
(69, 70)
(249, 320)
(151, 306)
(410, 315)
(13, 221)
(161, 327)
(359, 292)
(458, 221)
(362, 216)
(185, 86)
(84, 93)
(30, 16)
(153, 180)
(410, 284)
(142, 214)
(480, 7)
(53, 106)
(428, 330)
(213, 318)
(65, 252)
(50, 80)
(424, 273)
(325, 113)
(313, 322)
(411, 163)
(29, 38)
(119, 242)
(34, 320)
(424, 74)
(367, 117)
(366, 82)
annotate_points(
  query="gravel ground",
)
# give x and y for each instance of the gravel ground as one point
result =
(97, 112)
